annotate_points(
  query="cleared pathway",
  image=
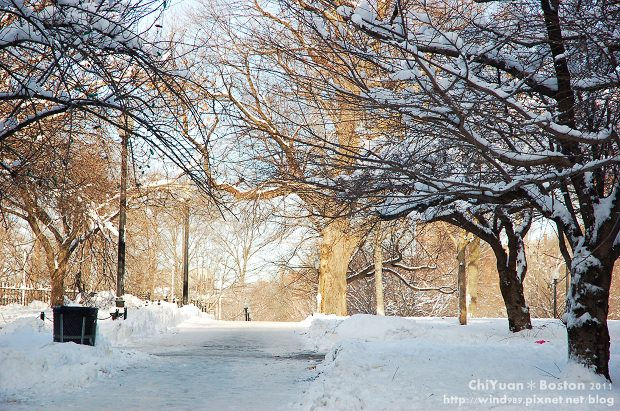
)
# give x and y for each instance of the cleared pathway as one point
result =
(205, 366)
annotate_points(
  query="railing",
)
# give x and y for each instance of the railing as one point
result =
(205, 306)
(24, 294)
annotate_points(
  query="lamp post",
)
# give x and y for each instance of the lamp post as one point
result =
(185, 299)
(219, 296)
(555, 275)
(173, 264)
(567, 279)
(186, 253)
(122, 217)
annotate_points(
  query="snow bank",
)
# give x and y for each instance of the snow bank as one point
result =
(395, 363)
(143, 320)
(33, 365)
(326, 330)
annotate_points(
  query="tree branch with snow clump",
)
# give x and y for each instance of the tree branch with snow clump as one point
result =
(501, 103)
(104, 58)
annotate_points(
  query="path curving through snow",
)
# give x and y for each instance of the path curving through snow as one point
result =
(204, 365)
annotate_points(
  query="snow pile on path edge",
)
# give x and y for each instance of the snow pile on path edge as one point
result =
(144, 321)
(324, 331)
(400, 363)
(33, 365)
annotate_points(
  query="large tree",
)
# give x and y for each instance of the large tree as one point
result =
(267, 109)
(492, 225)
(61, 194)
(504, 102)
(109, 59)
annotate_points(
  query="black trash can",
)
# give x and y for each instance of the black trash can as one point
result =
(76, 324)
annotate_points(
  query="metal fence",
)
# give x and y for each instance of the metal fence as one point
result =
(205, 306)
(24, 294)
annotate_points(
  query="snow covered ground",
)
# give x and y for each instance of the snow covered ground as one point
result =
(32, 366)
(394, 363)
(163, 357)
(205, 366)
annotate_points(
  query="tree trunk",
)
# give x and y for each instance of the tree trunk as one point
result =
(511, 268)
(473, 274)
(337, 246)
(586, 314)
(38, 271)
(58, 283)
(378, 259)
(514, 299)
(511, 286)
(56, 267)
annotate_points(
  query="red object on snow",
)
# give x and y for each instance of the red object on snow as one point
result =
(540, 341)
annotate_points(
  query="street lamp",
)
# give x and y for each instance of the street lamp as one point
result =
(219, 294)
(172, 272)
(555, 276)
(186, 252)
(122, 218)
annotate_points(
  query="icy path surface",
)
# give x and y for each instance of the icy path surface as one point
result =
(205, 366)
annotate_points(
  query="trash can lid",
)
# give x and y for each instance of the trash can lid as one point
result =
(75, 309)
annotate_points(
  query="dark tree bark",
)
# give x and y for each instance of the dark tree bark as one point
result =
(511, 287)
(511, 264)
(586, 315)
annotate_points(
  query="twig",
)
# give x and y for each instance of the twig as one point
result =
(395, 372)
(547, 372)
